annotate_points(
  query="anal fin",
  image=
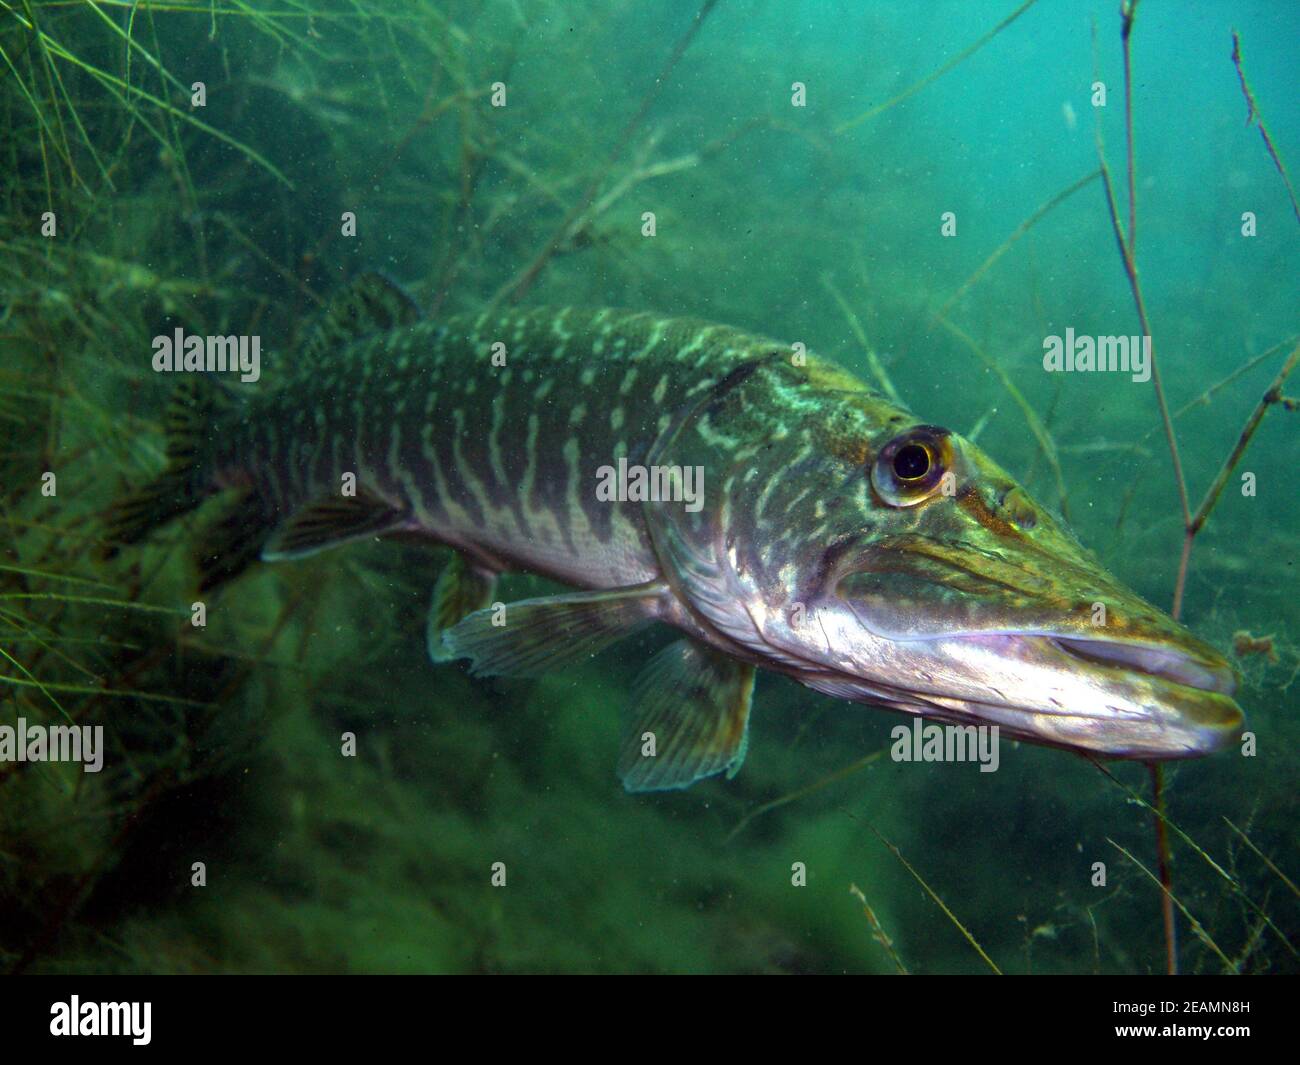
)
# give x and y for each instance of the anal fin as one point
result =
(534, 636)
(234, 541)
(689, 718)
(462, 588)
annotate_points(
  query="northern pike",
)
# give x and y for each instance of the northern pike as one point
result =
(831, 536)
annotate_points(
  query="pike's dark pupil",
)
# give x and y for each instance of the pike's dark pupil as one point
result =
(911, 462)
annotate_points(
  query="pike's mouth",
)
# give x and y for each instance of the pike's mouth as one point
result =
(1164, 663)
(1120, 696)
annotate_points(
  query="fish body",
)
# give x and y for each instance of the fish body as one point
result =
(778, 512)
(498, 461)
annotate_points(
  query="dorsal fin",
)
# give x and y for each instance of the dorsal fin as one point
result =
(370, 303)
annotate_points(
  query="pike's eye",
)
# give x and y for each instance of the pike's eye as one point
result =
(910, 468)
(911, 462)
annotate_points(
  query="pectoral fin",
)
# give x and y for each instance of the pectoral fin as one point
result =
(331, 521)
(535, 636)
(462, 589)
(689, 718)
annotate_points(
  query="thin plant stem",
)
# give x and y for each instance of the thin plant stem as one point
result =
(1166, 880)
(804, 792)
(934, 896)
(1172, 826)
(1006, 245)
(1196, 925)
(1127, 245)
(524, 280)
(855, 326)
(1253, 115)
(1194, 523)
(1197, 522)
(1035, 423)
(1128, 12)
(935, 75)
(1272, 396)
(1265, 859)
(878, 932)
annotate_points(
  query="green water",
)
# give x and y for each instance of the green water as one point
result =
(774, 210)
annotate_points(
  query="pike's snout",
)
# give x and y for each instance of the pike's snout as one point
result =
(1202, 668)
(1189, 690)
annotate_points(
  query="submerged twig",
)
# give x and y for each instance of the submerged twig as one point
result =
(1265, 859)
(1204, 398)
(1127, 248)
(937, 900)
(1166, 879)
(1253, 115)
(1227, 877)
(1197, 522)
(1035, 423)
(800, 793)
(516, 288)
(935, 75)
(1135, 287)
(1016, 234)
(1196, 926)
(1128, 11)
(855, 327)
(877, 929)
